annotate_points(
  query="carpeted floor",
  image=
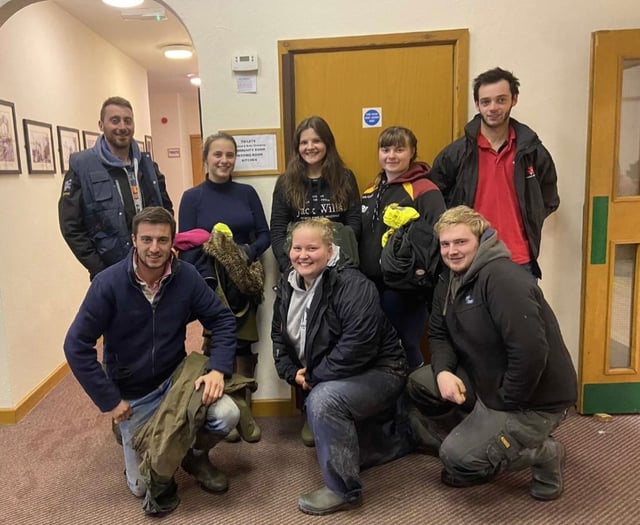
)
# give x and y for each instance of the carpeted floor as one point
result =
(61, 465)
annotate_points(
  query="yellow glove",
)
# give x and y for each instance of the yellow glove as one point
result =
(386, 235)
(221, 227)
(396, 216)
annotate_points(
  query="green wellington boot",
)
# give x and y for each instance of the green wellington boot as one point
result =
(248, 428)
(233, 436)
(306, 435)
(197, 463)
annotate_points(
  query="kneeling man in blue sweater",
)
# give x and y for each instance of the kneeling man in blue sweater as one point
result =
(171, 409)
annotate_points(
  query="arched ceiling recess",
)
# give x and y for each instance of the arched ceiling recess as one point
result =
(142, 40)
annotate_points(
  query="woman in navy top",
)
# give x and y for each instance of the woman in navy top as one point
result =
(219, 199)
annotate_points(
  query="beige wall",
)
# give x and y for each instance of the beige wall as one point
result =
(547, 44)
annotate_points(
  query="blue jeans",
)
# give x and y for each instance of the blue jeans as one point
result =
(222, 416)
(353, 423)
(408, 314)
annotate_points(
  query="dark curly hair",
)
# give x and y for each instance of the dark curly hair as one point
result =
(495, 75)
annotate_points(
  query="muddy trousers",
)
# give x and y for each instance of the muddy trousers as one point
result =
(353, 422)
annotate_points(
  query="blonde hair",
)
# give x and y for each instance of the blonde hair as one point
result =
(462, 215)
(323, 225)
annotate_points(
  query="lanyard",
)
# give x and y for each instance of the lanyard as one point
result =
(135, 186)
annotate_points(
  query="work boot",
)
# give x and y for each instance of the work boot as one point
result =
(197, 463)
(546, 470)
(324, 501)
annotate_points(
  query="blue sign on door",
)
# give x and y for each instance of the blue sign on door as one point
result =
(371, 117)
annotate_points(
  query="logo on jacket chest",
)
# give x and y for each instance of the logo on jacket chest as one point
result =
(322, 209)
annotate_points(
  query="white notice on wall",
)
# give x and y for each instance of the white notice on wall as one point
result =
(256, 152)
(247, 83)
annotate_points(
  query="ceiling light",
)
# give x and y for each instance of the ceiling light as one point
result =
(156, 14)
(194, 79)
(178, 51)
(123, 4)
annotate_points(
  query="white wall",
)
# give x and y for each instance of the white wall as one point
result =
(546, 43)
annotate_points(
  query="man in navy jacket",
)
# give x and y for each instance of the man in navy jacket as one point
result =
(105, 187)
(141, 306)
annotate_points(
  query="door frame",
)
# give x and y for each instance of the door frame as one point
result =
(197, 165)
(287, 49)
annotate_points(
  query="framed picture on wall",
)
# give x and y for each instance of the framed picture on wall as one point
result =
(141, 145)
(38, 138)
(89, 138)
(9, 152)
(148, 145)
(68, 143)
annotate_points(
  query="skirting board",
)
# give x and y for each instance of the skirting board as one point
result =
(11, 416)
(273, 408)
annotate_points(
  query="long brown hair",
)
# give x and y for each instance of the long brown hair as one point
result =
(333, 170)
